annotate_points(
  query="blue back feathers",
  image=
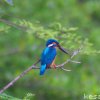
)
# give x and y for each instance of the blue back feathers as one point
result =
(47, 58)
(48, 55)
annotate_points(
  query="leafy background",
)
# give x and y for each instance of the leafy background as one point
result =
(28, 25)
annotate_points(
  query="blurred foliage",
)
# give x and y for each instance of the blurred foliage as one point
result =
(9, 2)
(7, 97)
(24, 28)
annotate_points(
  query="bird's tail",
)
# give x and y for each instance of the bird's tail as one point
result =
(42, 69)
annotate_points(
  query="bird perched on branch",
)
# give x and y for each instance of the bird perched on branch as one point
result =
(49, 54)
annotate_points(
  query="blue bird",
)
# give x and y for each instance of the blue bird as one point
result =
(49, 54)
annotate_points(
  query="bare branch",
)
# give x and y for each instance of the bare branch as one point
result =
(69, 60)
(35, 67)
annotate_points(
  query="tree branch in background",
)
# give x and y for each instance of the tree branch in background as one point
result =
(35, 67)
(13, 25)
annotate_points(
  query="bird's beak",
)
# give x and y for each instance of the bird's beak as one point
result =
(62, 49)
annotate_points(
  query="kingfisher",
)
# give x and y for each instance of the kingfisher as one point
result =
(48, 55)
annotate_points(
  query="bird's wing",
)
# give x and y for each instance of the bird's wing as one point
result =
(48, 56)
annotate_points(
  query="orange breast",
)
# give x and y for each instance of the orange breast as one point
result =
(53, 64)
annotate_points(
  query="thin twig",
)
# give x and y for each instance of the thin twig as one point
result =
(75, 61)
(65, 69)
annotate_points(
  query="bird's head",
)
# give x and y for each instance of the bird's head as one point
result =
(55, 43)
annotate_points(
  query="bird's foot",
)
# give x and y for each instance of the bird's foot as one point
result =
(54, 66)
